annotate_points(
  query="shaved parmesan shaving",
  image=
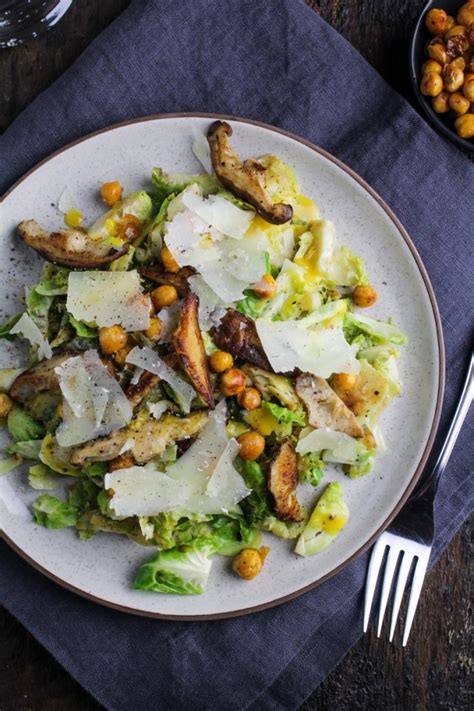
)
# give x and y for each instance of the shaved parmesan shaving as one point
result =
(202, 481)
(94, 402)
(219, 213)
(108, 298)
(169, 317)
(143, 491)
(211, 306)
(66, 201)
(147, 359)
(127, 446)
(200, 148)
(157, 409)
(137, 374)
(26, 327)
(226, 264)
(338, 446)
(288, 345)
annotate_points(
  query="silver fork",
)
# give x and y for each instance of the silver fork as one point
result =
(411, 533)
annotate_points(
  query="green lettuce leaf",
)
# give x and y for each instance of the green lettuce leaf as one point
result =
(28, 449)
(42, 478)
(284, 415)
(378, 331)
(22, 426)
(311, 468)
(82, 329)
(54, 281)
(8, 325)
(8, 464)
(177, 571)
(168, 183)
(51, 512)
(329, 517)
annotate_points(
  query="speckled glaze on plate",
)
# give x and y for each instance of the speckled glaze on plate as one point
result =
(102, 568)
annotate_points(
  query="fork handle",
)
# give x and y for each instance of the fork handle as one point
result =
(430, 484)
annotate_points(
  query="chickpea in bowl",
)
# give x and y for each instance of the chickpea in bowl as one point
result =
(447, 75)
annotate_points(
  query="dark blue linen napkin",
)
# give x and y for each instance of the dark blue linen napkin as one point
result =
(276, 61)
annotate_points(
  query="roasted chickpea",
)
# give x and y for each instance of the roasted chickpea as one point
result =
(459, 103)
(6, 404)
(431, 84)
(460, 63)
(343, 381)
(153, 332)
(436, 21)
(111, 192)
(450, 22)
(130, 227)
(466, 14)
(468, 76)
(249, 562)
(364, 296)
(440, 103)
(452, 78)
(249, 399)
(252, 445)
(232, 382)
(465, 126)
(456, 46)
(470, 38)
(468, 89)
(169, 262)
(112, 339)
(124, 461)
(266, 287)
(163, 296)
(437, 51)
(455, 30)
(121, 356)
(369, 441)
(220, 361)
(431, 66)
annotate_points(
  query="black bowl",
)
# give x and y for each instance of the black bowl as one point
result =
(443, 122)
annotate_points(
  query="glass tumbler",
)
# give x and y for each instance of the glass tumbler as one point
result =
(21, 20)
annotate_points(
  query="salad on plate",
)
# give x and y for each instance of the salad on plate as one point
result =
(200, 359)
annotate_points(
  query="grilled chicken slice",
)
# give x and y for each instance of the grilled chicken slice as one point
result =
(189, 347)
(178, 280)
(136, 393)
(282, 483)
(39, 378)
(245, 179)
(149, 439)
(325, 408)
(273, 385)
(237, 334)
(70, 247)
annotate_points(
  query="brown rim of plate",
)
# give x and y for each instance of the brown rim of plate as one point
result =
(439, 397)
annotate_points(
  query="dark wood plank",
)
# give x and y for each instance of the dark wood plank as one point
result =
(432, 672)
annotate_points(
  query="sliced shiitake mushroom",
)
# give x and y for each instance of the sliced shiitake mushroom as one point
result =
(70, 247)
(282, 483)
(179, 280)
(138, 391)
(243, 178)
(237, 335)
(189, 347)
(39, 378)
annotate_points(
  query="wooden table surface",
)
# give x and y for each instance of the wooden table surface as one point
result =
(433, 671)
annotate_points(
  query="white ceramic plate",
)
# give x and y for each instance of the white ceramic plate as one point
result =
(103, 568)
